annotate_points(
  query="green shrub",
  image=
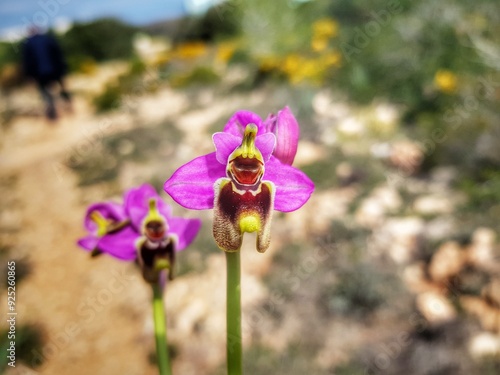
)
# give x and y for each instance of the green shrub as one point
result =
(200, 75)
(109, 99)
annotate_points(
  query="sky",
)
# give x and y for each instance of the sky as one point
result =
(15, 15)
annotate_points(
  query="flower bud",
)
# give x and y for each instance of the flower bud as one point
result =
(286, 129)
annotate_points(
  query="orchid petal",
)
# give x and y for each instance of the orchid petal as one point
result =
(293, 187)
(111, 211)
(285, 127)
(225, 144)
(185, 230)
(137, 204)
(238, 122)
(265, 143)
(192, 185)
(120, 244)
(89, 242)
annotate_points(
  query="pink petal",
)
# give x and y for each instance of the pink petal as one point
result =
(238, 122)
(225, 144)
(88, 243)
(109, 210)
(185, 230)
(285, 127)
(121, 244)
(265, 143)
(293, 187)
(192, 185)
(137, 204)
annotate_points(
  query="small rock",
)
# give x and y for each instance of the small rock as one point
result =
(446, 262)
(484, 344)
(440, 228)
(407, 157)
(386, 113)
(435, 307)
(415, 278)
(488, 315)
(400, 238)
(433, 205)
(482, 250)
(374, 208)
(491, 293)
(444, 176)
(308, 153)
(381, 150)
(351, 126)
(324, 105)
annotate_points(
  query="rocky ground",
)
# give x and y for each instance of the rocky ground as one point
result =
(378, 273)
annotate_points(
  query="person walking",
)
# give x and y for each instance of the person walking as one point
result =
(43, 61)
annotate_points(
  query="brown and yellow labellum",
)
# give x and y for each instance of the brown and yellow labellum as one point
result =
(153, 257)
(243, 202)
(237, 212)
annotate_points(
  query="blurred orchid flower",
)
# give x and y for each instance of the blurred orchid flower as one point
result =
(143, 229)
(243, 181)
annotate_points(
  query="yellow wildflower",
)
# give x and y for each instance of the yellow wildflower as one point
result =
(268, 63)
(292, 64)
(446, 81)
(190, 50)
(225, 51)
(319, 44)
(88, 66)
(332, 58)
(325, 28)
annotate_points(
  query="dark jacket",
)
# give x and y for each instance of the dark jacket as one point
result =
(43, 58)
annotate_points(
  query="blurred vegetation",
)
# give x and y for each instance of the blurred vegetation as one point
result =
(219, 22)
(101, 159)
(293, 360)
(29, 346)
(8, 53)
(122, 90)
(100, 40)
(200, 75)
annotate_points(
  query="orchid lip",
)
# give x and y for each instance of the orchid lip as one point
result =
(155, 230)
(246, 172)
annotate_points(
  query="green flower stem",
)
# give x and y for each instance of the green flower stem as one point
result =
(160, 331)
(233, 314)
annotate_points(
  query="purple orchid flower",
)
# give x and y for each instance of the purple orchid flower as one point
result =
(142, 229)
(243, 180)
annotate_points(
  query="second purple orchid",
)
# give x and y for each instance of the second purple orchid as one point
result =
(141, 229)
(247, 177)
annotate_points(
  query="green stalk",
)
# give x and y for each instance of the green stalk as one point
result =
(233, 314)
(160, 331)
